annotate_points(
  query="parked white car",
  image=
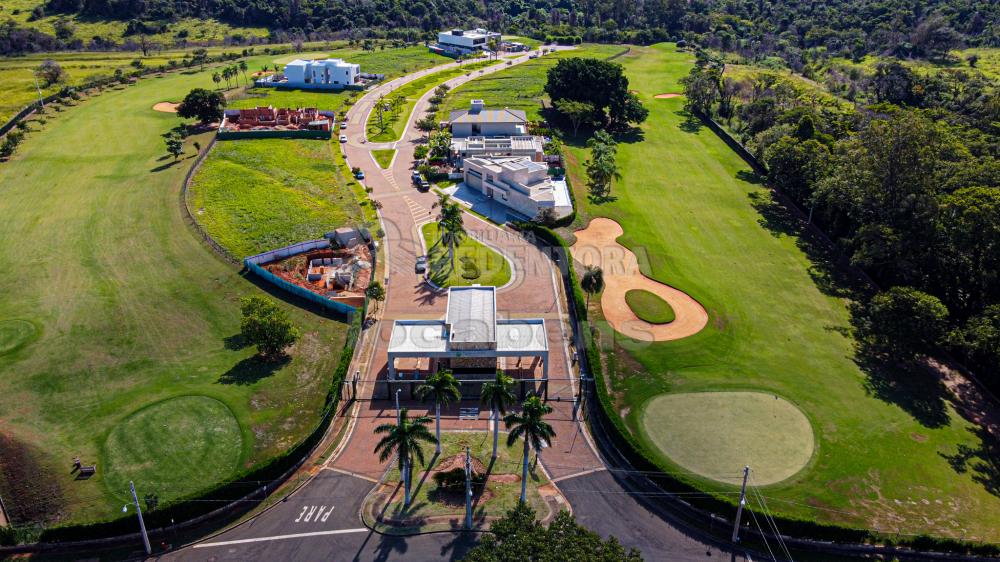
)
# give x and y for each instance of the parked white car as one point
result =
(343, 138)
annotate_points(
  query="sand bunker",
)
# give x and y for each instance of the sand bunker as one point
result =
(596, 245)
(667, 96)
(166, 107)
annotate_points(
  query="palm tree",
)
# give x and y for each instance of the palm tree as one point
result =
(243, 67)
(451, 230)
(217, 78)
(497, 395)
(442, 388)
(529, 425)
(592, 281)
(403, 440)
(226, 75)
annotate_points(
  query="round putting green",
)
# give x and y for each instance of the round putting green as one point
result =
(173, 448)
(649, 307)
(716, 434)
(15, 334)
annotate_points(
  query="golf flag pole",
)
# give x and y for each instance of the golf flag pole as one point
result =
(739, 509)
(142, 524)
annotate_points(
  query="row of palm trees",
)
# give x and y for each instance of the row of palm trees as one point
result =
(405, 438)
(232, 72)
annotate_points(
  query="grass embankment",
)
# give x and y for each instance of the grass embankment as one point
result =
(649, 307)
(500, 492)
(257, 195)
(394, 122)
(779, 325)
(521, 86)
(384, 157)
(131, 309)
(475, 263)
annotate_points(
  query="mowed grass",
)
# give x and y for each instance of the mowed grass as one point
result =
(171, 448)
(256, 195)
(778, 325)
(15, 333)
(384, 157)
(132, 307)
(649, 306)
(394, 122)
(521, 86)
(493, 268)
(762, 431)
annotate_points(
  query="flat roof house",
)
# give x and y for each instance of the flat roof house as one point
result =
(471, 340)
(520, 183)
(479, 121)
(462, 42)
(333, 74)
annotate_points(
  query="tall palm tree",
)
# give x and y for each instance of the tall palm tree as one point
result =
(243, 68)
(217, 78)
(451, 230)
(529, 425)
(592, 281)
(403, 439)
(442, 388)
(497, 396)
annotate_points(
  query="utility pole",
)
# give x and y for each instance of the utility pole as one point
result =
(468, 490)
(399, 418)
(739, 510)
(142, 524)
(41, 102)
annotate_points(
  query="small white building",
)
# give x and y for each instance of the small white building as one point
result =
(463, 42)
(477, 121)
(520, 183)
(331, 74)
(532, 147)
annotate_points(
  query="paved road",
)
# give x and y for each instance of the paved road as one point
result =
(322, 520)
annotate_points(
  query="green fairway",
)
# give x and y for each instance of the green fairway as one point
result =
(384, 157)
(762, 431)
(15, 334)
(475, 263)
(521, 86)
(778, 325)
(173, 448)
(394, 121)
(649, 307)
(131, 306)
(256, 195)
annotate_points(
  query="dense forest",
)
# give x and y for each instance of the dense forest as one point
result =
(786, 28)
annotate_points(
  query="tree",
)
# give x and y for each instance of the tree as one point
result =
(903, 322)
(894, 83)
(451, 229)
(440, 388)
(267, 326)
(796, 167)
(980, 337)
(427, 124)
(49, 72)
(200, 57)
(202, 104)
(376, 293)
(243, 69)
(217, 78)
(10, 143)
(404, 440)
(602, 168)
(575, 79)
(970, 222)
(175, 144)
(592, 281)
(700, 90)
(577, 112)
(518, 535)
(529, 425)
(497, 395)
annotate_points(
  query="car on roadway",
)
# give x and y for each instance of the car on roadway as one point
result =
(343, 125)
(421, 265)
(416, 177)
(359, 175)
(343, 138)
(423, 185)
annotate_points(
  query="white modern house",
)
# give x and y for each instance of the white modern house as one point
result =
(333, 74)
(472, 341)
(458, 42)
(479, 121)
(519, 183)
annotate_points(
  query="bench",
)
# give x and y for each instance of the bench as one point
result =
(88, 470)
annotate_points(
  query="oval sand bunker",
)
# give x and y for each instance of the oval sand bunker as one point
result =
(716, 434)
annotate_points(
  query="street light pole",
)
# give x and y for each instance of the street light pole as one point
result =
(142, 524)
(399, 418)
(739, 510)
(468, 490)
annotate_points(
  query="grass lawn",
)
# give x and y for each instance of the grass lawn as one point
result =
(257, 195)
(394, 122)
(491, 267)
(887, 448)
(384, 157)
(649, 306)
(502, 490)
(521, 86)
(130, 306)
(280, 97)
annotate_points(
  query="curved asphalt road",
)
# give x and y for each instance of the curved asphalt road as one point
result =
(321, 521)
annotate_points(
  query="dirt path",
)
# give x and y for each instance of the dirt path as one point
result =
(596, 245)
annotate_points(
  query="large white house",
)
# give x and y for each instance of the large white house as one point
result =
(331, 74)
(520, 183)
(478, 121)
(458, 42)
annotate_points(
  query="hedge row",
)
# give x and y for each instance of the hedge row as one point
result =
(640, 459)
